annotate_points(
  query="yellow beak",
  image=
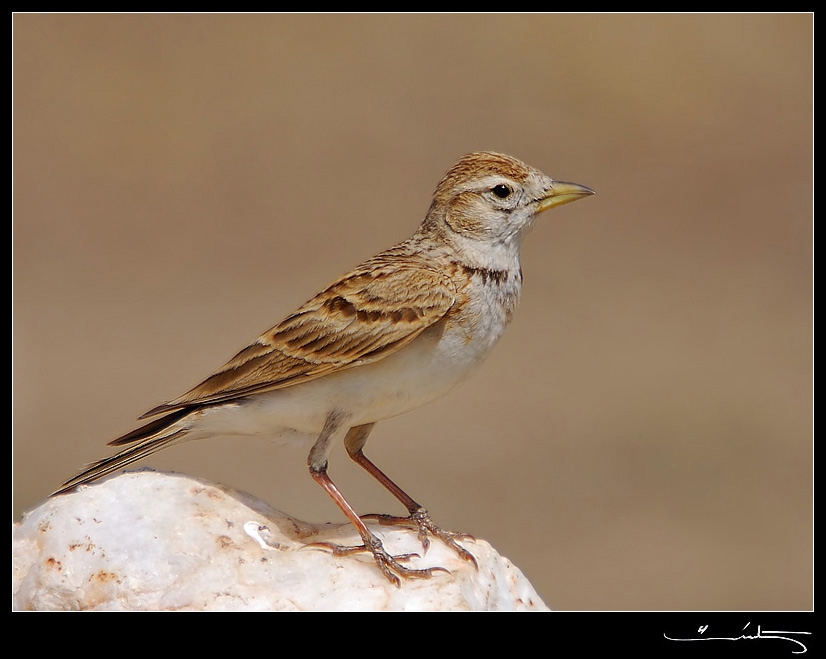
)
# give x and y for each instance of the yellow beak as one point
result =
(562, 193)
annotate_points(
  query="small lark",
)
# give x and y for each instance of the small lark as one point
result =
(396, 332)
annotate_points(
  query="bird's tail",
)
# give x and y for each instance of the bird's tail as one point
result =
(147, 439)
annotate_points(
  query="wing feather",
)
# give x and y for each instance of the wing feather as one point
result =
(361, 318)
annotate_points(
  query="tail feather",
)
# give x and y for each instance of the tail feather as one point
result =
(147, 439)
(151, 428)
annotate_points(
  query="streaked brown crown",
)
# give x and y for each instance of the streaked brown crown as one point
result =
(480, 164)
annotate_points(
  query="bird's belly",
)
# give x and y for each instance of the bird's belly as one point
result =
(420, 372)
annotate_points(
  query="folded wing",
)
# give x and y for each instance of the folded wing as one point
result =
(361, 318)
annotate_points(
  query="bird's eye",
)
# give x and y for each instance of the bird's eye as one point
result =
(502, 191)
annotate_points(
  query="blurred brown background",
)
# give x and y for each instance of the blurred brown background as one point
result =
(642, 436)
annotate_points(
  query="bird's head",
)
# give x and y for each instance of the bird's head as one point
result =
(493, 198)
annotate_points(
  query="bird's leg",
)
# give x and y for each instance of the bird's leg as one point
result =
(419, 518)
(389, 565)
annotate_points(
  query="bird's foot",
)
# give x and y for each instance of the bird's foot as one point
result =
(420, 519)
(390, 566)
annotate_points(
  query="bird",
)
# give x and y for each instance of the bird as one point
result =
(396, 332)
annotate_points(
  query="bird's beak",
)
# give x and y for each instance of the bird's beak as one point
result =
(562, 193)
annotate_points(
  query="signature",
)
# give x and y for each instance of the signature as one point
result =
(761, 633)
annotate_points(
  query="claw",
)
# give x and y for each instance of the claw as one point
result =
(391, 566)
(345, 550)
(420, 519)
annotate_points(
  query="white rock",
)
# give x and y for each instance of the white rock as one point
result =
(157, 541)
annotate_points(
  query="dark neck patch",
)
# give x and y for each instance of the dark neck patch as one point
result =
(487, 274)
